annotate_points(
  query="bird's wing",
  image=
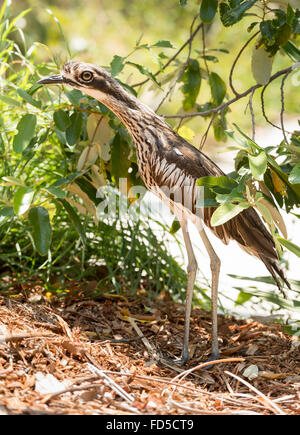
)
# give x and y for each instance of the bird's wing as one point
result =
(180, 166)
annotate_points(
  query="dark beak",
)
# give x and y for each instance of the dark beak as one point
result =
(52, 80)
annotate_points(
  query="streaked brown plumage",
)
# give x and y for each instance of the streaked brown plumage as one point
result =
(167, 160)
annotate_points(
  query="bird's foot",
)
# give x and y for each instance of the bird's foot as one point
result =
(213, 357)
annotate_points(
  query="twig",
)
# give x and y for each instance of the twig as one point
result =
(263, 107)
(208, 412)
(204, 50)
(147, 345)
(110, 383)
(178, 78)
(19, 337)
(204, 137)
(173, 57)
(252, 114)
(182, 375)
(235, 62)
(233, 100)
(273, 406)
(282, 106)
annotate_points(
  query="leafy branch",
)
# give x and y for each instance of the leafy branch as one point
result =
(226, 104)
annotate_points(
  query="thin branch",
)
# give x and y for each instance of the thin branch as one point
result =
(252, 114)
(173, 57)
(204, 50)
(235, 62)
(263, 107)
(282, 106)
(204, 137)
(236, 98)
(177, 79)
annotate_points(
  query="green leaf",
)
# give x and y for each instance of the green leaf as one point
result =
(242, 298)
(192, 81)
(166, 44)
(5, 213)
(22, 199)
(73, 132)
(233, 11)
(226, 212)
(26, 128)
(144, 71)
(292, 51)
(217, 87)
(219, 130)
(74, 219)
(175, 226)
(224, 183)
(258, 165)
(120, 162)
(182, 2)
(116, 65)
(61, 120)
(23, 94)
(208, 10)
(261, 65)
(294, 176)
(74, 96)
(207, 199)
(10, 101)
(39, 219)
(290, 246)
(56, 191)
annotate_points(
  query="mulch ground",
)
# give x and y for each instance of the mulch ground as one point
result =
(104, 356)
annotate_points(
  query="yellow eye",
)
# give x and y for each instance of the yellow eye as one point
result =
(86, 76)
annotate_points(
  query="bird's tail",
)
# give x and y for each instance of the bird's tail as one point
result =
(276, 272)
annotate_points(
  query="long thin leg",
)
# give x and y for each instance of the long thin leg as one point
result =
(191, 271)
(215, 265)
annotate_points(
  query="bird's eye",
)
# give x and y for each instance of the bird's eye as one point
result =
(86, 76)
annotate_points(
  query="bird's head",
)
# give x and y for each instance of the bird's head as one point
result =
(90, 79)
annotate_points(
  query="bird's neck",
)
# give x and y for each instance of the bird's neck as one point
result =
(141, 121)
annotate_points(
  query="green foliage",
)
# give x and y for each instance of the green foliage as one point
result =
(208, 10)
(59, 147)
(232, 12)
(39, 219)
(192, 81)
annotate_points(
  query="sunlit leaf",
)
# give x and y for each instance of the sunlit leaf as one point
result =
(144, 71)
(186, 132)
(117, 65)
(290, 246)
(226, 212)
(258, 165)
(294, 176)
(26, 128)
(261, 65)
(23, 94)
(22, 199)
(175, 226)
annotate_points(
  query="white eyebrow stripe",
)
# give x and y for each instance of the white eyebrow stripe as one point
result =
(178, 152)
